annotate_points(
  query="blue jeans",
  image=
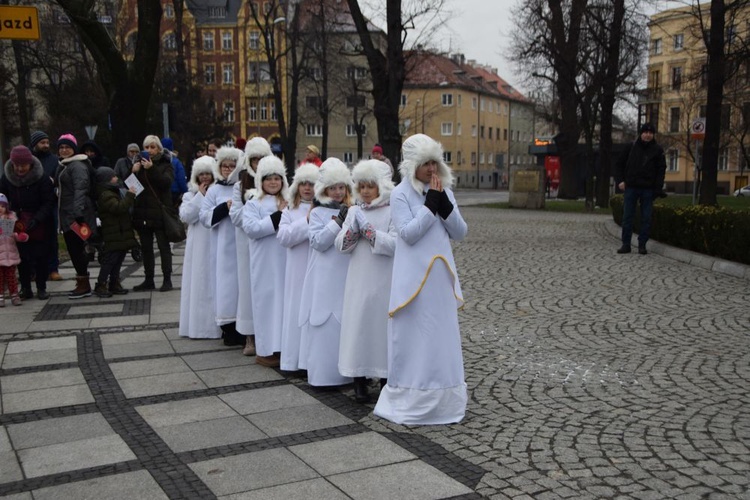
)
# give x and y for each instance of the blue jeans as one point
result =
(646, 197)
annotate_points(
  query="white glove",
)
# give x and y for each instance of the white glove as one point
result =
(361, 219)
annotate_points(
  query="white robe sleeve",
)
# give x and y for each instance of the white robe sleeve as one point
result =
(207, 207)
(455, 224)
(348, 244)
(292, 232)
(323, 230)
(410, 226)
(235, 211)
(385, 241)
(255, 224)
(190, 208)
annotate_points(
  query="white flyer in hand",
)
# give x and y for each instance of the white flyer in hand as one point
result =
(132, 181)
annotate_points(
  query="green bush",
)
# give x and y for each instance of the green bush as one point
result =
(715, 231)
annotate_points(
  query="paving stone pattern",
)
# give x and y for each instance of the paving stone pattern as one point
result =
(590, 375)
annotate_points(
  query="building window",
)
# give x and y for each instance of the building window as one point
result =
(458, 157)
(348, 157)
(272, 107)
(351, 130)
(723, 159)
(217, 12)
(254, 41)
(674, 119)
(316, 73)
(229, 112)
(447, 157)
(447, 99)
(208, 41)
(169, 41)
(654, 80)
(312, 101)
(356, 72)
(314, 130)
(679, 42)
(355, 101)
(482, 103)
(446, 128)
(227, 71)
(656, 46)
(458, 100)
(253, 111)
(489, 158)
(676, 77)
(473, 130)
(481, 158)
(473, 103)
(481, 131)
(673, 160)
(474, 158)
(458, 129)
(210, 72)
(263, 111)
(403, 99)
(226, 40)
(505, 134)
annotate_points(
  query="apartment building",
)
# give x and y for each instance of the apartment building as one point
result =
(675, 97)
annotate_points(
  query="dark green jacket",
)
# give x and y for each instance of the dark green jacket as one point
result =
(156, 180)
(117, 228)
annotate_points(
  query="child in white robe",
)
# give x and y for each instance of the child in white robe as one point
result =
(244, 190)
(214, 215)
(425, 363)
(195, 296)
(369, 236)
(293, 235)
(323, 290)
(260, 221)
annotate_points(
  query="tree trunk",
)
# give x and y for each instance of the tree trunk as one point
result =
(715, 95)
(23, 103)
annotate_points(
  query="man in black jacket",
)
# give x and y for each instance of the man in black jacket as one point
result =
(40, 147)
(640, 174)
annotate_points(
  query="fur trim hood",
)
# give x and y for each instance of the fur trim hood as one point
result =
(77, 157)
(257, 147)
(418, 150)
(307, 172)
(373, 171)
(333, 171)
(34, 175)
(228, 153)
(201, 166)
(271, 165)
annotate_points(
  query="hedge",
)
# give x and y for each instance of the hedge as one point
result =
(715, 231)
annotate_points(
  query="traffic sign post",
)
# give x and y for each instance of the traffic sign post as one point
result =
(19, 22)
(697, 134)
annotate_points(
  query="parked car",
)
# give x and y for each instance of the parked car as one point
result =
(743, 191)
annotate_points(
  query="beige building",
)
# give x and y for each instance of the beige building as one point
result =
(675, 98)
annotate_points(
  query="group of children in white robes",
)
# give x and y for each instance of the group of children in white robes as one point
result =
(346, 276)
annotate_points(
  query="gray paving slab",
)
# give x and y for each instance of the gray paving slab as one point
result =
(345, 454)
(99, 308)
(159, 318)
(142, 368)
(209, 433)
(5, 444)
(37, 345)
(186, 411)
(40, 358)
(10, 469)
(59, 324)
(252, 374)
(221, 359)
(136, 337)
(58, 430)
(312, 489)
(302, 419)
(74, 455)
(252, 471)
(172, 333)
(127, 486)
(41, 380)
(19, 496)
(47, 398)
(184, 345)
(267, 399)
(114, 321)
(161, 384)
(115, 351)
(413, 480)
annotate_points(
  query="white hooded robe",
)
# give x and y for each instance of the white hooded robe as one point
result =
(244, 294)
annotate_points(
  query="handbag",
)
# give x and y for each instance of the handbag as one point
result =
(36, 234)
(173, 227)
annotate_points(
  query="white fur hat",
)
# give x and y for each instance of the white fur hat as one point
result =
(271, 165)
(307, 172)
(418, 150)
(228, 153)
(200, 166)
(333, 171)
(257, 147)
(373, 171)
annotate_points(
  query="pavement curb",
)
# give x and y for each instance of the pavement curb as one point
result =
(707, 262)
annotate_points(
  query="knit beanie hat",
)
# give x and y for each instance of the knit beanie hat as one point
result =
(37, 136)
(648, 127)
(68, 139)
(104, 175)
(21, 155)
(167, 143)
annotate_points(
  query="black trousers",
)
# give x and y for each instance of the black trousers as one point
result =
(111, 263)
(147, 235)
(34, 259)
(77, 251)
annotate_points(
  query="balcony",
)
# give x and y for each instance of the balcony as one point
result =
(649, 95)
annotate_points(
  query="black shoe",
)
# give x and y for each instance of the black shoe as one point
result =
(361, 394)
(624, 249)
(166, 285)
(148, 284)
(642, 249)
(26, 293)
(42, 294)
(234, 339)
(383, 382)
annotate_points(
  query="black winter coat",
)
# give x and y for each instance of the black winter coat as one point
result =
(117, 228)
(73, 179)
(642, 166)
(32, 193)
(157, 183)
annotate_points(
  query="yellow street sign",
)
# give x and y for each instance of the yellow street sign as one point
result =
(19, 23)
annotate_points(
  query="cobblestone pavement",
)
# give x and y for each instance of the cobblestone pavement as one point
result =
(591, 375)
